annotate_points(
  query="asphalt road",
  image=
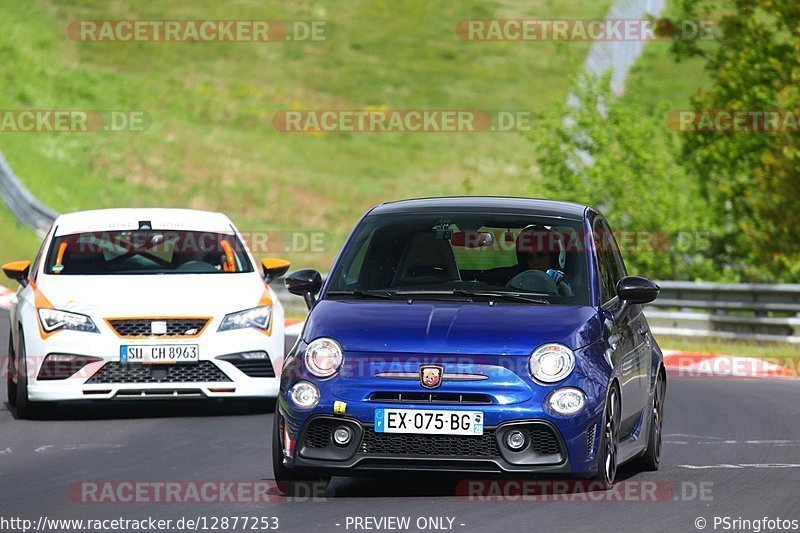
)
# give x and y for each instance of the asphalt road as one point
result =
(732, 449)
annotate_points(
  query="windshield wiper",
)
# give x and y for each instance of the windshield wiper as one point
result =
(518, 297)
(386, 295)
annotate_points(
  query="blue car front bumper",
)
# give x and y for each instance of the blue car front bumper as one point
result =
(507, 398)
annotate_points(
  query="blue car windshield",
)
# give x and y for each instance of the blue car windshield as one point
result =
(479, 256)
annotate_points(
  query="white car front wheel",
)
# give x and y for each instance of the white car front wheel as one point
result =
(11, 386)
(25, 407)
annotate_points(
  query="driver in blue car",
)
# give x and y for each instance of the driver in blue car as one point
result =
(540, 262)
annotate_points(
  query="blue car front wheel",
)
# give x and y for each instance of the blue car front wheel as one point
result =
(608, 452)
(652, 455)
(292, 481)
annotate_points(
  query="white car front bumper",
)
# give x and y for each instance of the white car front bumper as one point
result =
(107, 379)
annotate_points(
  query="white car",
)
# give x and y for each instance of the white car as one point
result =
(144, 303)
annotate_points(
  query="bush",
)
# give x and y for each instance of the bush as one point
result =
(620, 158)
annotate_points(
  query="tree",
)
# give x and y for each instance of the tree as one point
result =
(619, 157)
(751, 180)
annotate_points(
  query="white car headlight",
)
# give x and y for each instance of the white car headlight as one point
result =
(567, 401)
(258, 318)
(304, 394)
(323, 357)
(552, 362)
(55, 319)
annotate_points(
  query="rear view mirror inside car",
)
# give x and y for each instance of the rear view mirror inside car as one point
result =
(472, 239)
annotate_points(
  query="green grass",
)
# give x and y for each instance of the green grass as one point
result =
(657, 78)
(212, 145)
(18, 242)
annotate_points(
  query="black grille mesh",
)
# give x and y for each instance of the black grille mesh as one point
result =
(543, 440)
(590, 439)
(142, 327)
(255, 368)
(203, 371)
(429, 445)
(318, 436)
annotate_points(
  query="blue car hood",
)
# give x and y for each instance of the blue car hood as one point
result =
(450, 328)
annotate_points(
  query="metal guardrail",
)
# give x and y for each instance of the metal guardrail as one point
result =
(28, 211)
(755, 312)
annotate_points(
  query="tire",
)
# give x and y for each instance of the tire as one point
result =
(11, 387)
(292, 481)
(651, 459)
(25, 407)
(608, 452)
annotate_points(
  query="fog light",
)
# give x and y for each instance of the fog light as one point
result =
(62, 366)
(567, 401)
(304, 395)
(515, 439)
(342, 435)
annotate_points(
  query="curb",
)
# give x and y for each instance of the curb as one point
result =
(729, 366)
(294, 327)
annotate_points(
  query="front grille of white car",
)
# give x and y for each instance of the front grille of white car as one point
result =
(158, 327)
(202, 372)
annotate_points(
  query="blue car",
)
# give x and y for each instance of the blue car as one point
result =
(476, 335)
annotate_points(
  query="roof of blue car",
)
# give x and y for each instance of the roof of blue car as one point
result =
(494, 204)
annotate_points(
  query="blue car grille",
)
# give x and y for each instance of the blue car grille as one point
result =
(543, 440)
(431, 397)
(318, 436)
(429, 445)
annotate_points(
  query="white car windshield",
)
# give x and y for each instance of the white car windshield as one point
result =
(146, 252)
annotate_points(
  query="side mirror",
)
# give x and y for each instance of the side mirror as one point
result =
(18, 271)
(306, 283)
(637, 290)
(274, 268)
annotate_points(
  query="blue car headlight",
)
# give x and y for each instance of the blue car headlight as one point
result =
(257, 317)
(566, 401)
(323, 357)
(551, 362)
(304, 395)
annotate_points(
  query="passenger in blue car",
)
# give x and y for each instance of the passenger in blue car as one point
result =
(540, 262)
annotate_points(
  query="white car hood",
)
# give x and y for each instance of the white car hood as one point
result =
(185, 295)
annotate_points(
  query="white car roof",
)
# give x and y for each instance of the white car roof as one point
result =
(130, 219)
